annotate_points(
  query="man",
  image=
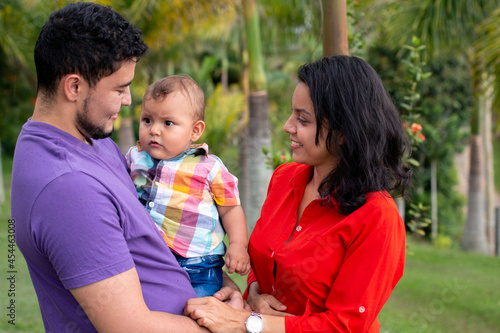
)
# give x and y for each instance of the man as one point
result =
(96, 259)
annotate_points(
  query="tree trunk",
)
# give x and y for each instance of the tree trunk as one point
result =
(243, 176)
(401, 203)
(259, 137)
(434, 200)
(259, 127)
(489, 172)
(126, 137)
(474, 239)
(335, 41)
(257, 75)
(475, 233)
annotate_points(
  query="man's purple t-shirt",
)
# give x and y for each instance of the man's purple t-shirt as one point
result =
(78, 221)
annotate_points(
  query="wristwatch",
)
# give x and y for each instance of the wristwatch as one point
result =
(254, 323)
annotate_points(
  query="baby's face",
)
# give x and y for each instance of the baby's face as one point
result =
(167, 127)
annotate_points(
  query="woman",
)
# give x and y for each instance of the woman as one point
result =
(329, 247)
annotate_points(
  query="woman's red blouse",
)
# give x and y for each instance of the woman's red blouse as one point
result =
(333, 271)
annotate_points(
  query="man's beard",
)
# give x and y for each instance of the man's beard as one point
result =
(87, 128)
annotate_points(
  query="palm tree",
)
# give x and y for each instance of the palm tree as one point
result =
(487, 48)
(258, 125)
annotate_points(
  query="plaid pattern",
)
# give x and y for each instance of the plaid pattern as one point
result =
(180, 195)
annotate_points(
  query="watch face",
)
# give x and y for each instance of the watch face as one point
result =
(254, 324)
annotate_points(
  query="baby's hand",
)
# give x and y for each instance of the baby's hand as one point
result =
(237, 259)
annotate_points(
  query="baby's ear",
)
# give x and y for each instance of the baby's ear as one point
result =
(198, 128)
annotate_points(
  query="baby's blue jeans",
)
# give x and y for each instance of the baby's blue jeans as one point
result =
(205, 273)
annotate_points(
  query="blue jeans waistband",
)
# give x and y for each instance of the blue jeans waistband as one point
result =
(214, 260)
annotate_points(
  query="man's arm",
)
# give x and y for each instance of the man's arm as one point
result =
(116, 304)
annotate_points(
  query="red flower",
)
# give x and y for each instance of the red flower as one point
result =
(416, 127)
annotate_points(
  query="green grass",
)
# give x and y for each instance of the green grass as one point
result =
(442, 290)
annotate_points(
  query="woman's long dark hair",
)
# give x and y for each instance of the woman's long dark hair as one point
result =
(351, 102)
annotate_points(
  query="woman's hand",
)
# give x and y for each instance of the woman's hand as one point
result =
(265, 303)
(218, 316)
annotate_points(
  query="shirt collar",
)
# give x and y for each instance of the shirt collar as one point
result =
(195, 149)
(302, 175)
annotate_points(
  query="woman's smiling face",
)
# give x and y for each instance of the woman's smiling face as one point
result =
(302, 129)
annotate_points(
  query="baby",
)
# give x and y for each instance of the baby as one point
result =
(189, 193)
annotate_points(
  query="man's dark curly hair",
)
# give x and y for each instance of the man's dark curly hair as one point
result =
(351, 103)
(84, 38)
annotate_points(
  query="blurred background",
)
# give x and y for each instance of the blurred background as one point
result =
(440, 62)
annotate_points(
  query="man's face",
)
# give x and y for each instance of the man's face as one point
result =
(99, 108)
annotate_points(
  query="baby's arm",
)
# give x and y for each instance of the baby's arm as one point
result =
(233, 221)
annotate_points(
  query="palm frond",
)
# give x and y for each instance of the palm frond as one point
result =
(487, 48)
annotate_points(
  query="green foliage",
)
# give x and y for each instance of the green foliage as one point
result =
(451, 202)
(16, 102)
(222, 113)
(416, 74)
(496, 162)
(18, 31)
(291, 25)
(445, 104)
(275, 159)
(281, 84)
(419, 220)
(417, 213)
(487, 47)
(442, 242)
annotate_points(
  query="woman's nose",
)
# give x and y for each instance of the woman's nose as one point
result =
(289, 127)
